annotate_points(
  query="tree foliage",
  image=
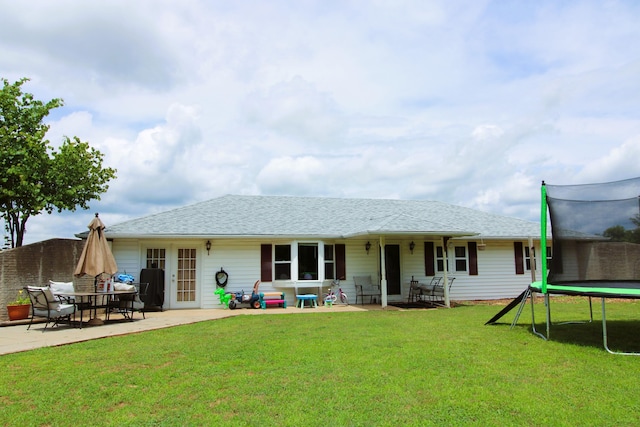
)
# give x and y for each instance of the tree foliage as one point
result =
(36, 178)
(618, 233)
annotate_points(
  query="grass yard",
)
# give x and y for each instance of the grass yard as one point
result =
(416, 367)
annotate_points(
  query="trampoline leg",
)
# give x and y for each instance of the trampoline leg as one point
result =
(521, 306)
(533, 320)
(547, 303)
(604, 334)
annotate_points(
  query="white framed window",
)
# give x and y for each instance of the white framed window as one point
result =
(156, 258)
(460, 254)
(308, 261)
(282, 262)
(329, 262)
(439, 258)
(529, 259)
(300, 261)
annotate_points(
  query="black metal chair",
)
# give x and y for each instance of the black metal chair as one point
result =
(437, 294)
(44, 304)
(414, 290)
(128, 304)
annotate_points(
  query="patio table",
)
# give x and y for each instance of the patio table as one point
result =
(92, 301)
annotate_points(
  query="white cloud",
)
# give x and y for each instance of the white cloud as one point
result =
(621, 162)
(484, 132)
(295, 109)
(466, 102)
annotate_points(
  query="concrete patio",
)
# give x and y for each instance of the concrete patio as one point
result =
(15, 337)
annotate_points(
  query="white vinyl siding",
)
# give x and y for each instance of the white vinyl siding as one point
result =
(240, 258)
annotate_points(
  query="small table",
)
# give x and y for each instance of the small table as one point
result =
(312, 298)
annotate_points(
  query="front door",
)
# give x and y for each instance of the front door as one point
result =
(184, 278)
(392, 270)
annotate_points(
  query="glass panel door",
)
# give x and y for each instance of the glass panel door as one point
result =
(186, 276)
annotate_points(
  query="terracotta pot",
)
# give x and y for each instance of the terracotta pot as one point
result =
(19, 312)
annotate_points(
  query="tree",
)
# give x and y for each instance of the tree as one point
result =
(618, 233)
(36, 178)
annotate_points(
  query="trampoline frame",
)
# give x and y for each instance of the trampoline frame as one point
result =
(549, 288)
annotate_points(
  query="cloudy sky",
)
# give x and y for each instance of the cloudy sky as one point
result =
(467, 102)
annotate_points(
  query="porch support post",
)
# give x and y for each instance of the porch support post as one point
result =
(383, 274)
(445, 243)
(533, 258)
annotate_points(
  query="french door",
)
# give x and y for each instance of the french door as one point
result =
(185, 292)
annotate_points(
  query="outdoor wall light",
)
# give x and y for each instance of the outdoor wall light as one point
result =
(208, 246)
(412, 246)
(367, 247)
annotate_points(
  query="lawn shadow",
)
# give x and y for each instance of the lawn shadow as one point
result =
(414, 305)
(622, 335)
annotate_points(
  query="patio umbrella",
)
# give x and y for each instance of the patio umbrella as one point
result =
(96, 257)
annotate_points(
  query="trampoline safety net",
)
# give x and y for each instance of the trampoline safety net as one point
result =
(596, 234)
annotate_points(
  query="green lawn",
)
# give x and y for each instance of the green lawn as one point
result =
(420, 367)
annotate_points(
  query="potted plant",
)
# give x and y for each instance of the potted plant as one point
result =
(19, 308)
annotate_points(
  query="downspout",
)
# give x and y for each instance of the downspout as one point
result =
(383, 274)
(445, 242)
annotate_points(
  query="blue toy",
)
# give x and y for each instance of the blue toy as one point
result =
(253, 299)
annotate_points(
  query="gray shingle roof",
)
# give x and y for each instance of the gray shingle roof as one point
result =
(244, 216)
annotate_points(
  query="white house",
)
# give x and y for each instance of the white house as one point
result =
(302, 242)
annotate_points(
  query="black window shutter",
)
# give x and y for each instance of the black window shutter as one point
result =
(473, 259)
(519, 258)
(429, 259)
(341, 262)
(266, 274)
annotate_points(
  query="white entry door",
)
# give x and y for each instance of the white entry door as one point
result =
(185, 293)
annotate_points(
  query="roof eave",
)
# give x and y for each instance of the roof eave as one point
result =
(411, 233)
(218, 236)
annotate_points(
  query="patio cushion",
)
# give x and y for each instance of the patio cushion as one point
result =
(61, 288)
(57, 310)
(125, 300)
(117, 286)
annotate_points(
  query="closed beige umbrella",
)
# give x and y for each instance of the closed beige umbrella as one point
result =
(96, 257)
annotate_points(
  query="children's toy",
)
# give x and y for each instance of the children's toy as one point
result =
(331, 297)
(272, 298)
(253, 299)
(225, 298)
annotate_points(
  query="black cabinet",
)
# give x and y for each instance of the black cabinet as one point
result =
(154, 299)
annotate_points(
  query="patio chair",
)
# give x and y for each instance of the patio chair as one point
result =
(128, 304)
(437, 294)
(414, 290)
(426, 291)
(63, 292)
(365, 288)
(140, 298)
(44, 304)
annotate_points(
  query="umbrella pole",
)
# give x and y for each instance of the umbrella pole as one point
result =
(95, 321)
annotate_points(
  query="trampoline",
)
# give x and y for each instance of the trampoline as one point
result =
(595, 232)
